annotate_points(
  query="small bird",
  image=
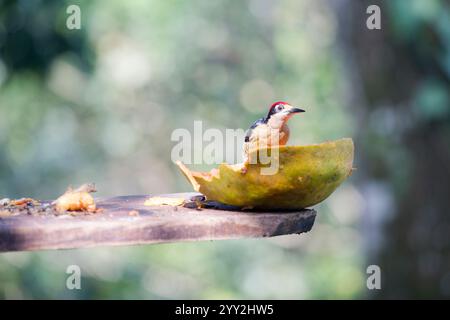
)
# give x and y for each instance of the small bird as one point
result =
(271, 130)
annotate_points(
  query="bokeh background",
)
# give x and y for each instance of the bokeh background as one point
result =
(99, 104)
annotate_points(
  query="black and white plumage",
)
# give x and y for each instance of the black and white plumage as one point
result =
(258, 122)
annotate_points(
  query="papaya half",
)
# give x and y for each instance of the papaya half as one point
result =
(306, 175)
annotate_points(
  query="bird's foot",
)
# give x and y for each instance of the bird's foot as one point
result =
(241, 167)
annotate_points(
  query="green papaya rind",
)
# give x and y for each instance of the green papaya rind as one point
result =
(307, 175)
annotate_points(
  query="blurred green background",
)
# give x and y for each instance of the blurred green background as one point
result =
(99, 104)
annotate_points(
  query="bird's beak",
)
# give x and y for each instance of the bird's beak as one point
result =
(295, 110)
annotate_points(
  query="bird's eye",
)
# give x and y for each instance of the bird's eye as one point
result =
(279, 107)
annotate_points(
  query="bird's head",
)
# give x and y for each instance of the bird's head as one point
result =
(280, 112)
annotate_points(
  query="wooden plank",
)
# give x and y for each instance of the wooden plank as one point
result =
(115, 225)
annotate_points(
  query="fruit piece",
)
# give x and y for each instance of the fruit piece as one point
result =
(307, 175)
(77, 200)
(159, 201)
(23, 202)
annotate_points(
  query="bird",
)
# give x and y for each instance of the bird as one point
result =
(271, 130)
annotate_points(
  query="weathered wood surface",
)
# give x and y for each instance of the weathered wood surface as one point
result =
(115, 225)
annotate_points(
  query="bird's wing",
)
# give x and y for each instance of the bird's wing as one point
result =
(253, 126)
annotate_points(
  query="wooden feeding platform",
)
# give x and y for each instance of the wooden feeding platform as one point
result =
(125, 220)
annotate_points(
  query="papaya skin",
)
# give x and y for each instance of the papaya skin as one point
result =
(307, 175)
